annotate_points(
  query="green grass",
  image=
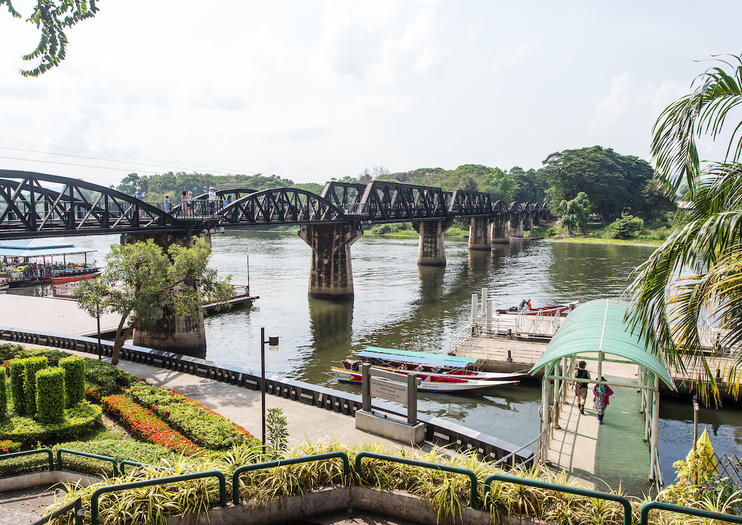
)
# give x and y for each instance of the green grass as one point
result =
(598, 240)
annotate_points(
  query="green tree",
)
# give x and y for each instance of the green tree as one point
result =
(695, 277)
(611, 181)
(140, 280)
(625, 227)
(53, 18)
(530, 186)
(575, 212)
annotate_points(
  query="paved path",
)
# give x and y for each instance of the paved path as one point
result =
(614, 452)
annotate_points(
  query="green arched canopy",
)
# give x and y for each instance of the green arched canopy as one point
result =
(598, 326)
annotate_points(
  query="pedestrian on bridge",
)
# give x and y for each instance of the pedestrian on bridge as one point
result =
(166, 205)
(185, 203)
(601, 394)
(581, 387)
(212, 200)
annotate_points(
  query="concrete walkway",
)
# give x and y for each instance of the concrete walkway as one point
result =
(613, 453)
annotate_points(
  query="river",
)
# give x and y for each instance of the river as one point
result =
(400, 305)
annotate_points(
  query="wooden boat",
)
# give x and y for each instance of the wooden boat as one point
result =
(438, 372)
(428, 383)
(553, 310)
(73, 278)
(526, 239)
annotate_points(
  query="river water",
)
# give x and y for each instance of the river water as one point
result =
(400, 305)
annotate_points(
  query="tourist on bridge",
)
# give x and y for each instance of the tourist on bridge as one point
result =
(581, 387)
(184, 203)
(212, 200)
(601, 394)
(166, 206)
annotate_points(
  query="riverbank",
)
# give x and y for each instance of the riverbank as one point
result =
(598, 240)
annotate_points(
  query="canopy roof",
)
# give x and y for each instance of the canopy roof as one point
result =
(598, 326)
(34, 248)
(406, 356)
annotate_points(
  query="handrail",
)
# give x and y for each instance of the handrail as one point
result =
(138, 464)
(75, 505)
(425, 464)
(87, 455)
(659, 505)
(283, 463)
(561, 488)
(29, 452)
(94, 520)
(514, 452)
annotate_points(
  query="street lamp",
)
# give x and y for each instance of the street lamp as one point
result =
(272, 348)
(97, 316)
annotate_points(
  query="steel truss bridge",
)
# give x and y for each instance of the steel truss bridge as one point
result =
(40, 205)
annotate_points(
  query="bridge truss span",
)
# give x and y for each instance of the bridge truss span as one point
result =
(40, 205)
(281, 206)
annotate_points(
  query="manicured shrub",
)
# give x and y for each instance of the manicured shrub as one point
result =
(17, 375)
(144, 424)
(7, 446)
(50, 395)
(3, 398)
(74, 379)
(31, 366)
(107, 378)
(120, 449)
(78, 421)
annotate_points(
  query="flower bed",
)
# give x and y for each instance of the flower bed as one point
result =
(200, 424)
(146, 425)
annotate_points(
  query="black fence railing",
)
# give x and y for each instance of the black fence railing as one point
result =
(438, 430)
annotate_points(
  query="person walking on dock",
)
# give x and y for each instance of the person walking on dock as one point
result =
(581, 387)
(601, 394)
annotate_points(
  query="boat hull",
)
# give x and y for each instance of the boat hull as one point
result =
(73, 278)
(449, 385)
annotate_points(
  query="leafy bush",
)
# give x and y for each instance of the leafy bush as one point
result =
(17, 375)
(120, 449)
(201, 425)
(8, 352)
(624, 228)
(144, 424)
(50, 397)
(107, 378)
(276, 424)
(78, 421)
(3, 399)
(74, 379)
(31, 365)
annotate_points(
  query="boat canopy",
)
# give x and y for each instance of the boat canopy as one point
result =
(32, 248)
(424, 358)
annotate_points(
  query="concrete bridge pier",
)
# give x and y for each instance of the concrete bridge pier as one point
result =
(330, 273)
(527, 221)
(515, 226)
(172, 332)
(431, 250)
(479, 233)
(499, 230)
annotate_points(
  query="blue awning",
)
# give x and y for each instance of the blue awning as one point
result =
(428, 361)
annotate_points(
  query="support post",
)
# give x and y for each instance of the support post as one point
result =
(515, 226)
(262, 386)
(366, 386)
(431, 250)
(330, 273)
(479, 233)
(498, 230)
(412, 399)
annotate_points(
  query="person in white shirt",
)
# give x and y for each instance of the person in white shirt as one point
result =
(212, 200)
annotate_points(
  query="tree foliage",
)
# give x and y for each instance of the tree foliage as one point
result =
(140, 280)
(695, 278)
(52, 18)
(575, 212)
(625, 227)
(612, 181)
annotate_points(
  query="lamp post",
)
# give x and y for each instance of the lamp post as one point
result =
(97, 316)
(273, 348)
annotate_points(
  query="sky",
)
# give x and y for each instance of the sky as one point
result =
(312, 90)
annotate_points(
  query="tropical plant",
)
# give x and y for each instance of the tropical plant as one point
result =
(575, 212)
(695, 277)
(278, 435)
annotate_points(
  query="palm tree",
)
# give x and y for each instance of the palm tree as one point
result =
(696, 274)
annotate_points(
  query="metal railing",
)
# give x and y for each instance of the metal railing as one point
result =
(560, 488)
(97, 493)
(437, 430)
(47, 451)
(75, 506)
(417, 463)
(87, 455)
(644, 520)
(283, 463)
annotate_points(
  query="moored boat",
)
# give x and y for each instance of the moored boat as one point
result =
(429, 383)
(73, 278)
(525, 308)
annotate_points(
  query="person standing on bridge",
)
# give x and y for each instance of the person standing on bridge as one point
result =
(601, 394)
(212, 200)
(184, 204)
(581, 387)
(166, 206)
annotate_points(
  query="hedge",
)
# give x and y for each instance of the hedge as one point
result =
(120, 449)
(78, 421)
(3, 399)
(74, 379)
(17, 374)
(50, 398)
(31, 366)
